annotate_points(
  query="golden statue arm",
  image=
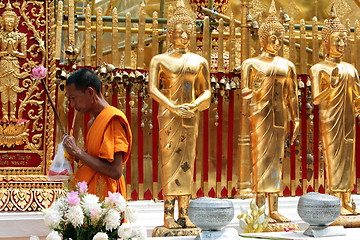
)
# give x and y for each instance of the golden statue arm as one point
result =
(316, 79)
(357, 95)
(246, 90)
(203, 88)
(154, 92)
(183, 111)
(293, 102)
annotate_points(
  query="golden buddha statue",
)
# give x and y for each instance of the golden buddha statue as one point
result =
(336, 89)
(180, 81)
(270, 84)
(12, 47)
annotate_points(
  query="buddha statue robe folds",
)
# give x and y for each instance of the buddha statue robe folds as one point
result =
(336, 89)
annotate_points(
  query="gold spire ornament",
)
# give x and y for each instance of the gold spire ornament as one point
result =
(180, 81)
(336, 89)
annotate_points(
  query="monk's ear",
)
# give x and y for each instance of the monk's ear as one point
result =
(91, 90)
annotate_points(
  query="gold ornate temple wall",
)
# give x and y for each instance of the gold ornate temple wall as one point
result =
(98, 40)
(27, 121)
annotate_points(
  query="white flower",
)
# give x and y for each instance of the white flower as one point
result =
(112, 219)
(34, 238)
(52, 218)
(117, 200)
(75, 216)
(60, 204)
(101, 236)
(90, 202)
(131, 214)
(125, 231)
(53, 236)
(140, 233)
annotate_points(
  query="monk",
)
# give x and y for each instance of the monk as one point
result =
(108, 141)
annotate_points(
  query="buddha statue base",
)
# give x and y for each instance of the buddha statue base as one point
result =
(281, 227)
(162, 231)
(348, 221)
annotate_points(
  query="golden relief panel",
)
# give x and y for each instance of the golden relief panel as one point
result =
(26, 119)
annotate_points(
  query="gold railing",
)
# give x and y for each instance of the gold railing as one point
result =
(128, 43)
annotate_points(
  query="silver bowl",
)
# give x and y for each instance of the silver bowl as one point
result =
(318, 209)
(211, 214)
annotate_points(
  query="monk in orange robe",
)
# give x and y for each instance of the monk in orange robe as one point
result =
(108, 142)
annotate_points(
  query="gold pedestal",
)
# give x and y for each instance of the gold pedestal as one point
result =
(162, 231)
(348, 221)
(281, 227)
(27, 196)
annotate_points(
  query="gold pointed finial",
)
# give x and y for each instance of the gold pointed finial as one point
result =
(332, 11)
(181, 15)
(271, 23)
(180, 3)
(9, 11)
(8, 6)
(331, 25)
(272, 9)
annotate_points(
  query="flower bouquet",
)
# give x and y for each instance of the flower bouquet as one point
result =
(81, 216)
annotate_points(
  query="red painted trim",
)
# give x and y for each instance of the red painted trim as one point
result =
(219, 140)
(206, 146)
(292, 155)
(357, 146)
(140, 141)
(316, 142)
(230, 146)
(155, 141)
(304, 130)
(128, 116)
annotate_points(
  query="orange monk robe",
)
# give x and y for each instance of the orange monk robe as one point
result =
(109, 133)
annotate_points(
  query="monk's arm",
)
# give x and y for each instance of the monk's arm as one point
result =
(110, 169)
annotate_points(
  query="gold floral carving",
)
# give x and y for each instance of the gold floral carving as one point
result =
(29, 196)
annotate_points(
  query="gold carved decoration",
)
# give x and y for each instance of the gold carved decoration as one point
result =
(29, 196)
(28, 121)
(292, 9)
(15, 127)
(257, 8)
(341, 6)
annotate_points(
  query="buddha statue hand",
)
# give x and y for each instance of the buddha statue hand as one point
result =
(247, 93)
(334, 79)
(295, 131)
(183, 111)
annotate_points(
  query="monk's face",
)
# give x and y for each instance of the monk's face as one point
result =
(337, 44)
(80, 100)
(273, 42)
(181, 35)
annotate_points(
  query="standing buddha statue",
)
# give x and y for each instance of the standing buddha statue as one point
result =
(336, 89)
(180, 81)
(270, 84)
(12, 47)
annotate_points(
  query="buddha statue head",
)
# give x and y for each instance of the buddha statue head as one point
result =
(334, 36)
(180, 26)
(271, 32)
(9, 20)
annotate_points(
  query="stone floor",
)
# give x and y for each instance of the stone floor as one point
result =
(20, 226)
